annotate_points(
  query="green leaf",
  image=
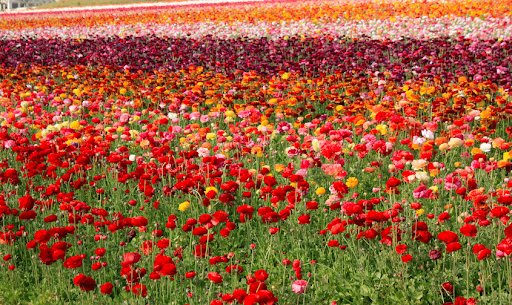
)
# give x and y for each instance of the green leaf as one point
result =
(365, 290)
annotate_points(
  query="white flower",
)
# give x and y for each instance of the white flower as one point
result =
(131, 158)
(485, 147)
(428, 134)
(422, 177)
(172, 115)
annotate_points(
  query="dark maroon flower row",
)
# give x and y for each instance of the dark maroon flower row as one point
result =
(442, 57)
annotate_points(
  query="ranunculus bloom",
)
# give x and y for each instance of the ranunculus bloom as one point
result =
(131, 258)
(406, 258)
(468, 230)
(107, 288)
(215, 277)
(300, 286)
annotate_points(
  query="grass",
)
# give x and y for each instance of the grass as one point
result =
(74, 3)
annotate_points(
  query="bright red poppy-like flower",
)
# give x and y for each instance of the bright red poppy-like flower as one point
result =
(333, 243)
(483, 254)
(406, 258)
(448, 237)
(401, 249)
(261, 275)
(215, 277)
(452, 247)
(106, 288)
(140, 289)
(190, 274)
(468, 230)
(86, 283)
(131, 258)
(74, 262)
(304, 219)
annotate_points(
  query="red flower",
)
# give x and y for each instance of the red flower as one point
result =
(201, 251)
(261, 275)
(86, 283)
(257, 286)
(371, 233)
(234, 268)
(74, 262)
(304, 219)
(443, 216)
(26, 203)
(215, 277)
(477, 248)
(406, 258)
(190, 275)
(139, 221)
(393, 182)
(468, 230)
(333, 243)
(452, 247)
(245, 212)
(448, 237)
(483, 254)
(131, 258)
(42, 236)
(79, 279)
(448, 287)
(107, 288)
(311, 205)
(168, 269)
(140, 289)
(401, 249)
(500, 211)
(96, 266)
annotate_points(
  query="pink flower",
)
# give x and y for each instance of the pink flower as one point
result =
(204, 118)
(300, 286)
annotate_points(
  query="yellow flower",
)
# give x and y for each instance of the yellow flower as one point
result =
(352, 182)
(184, 206)
(457, 164)
(383, 129)
(74, 125)
(420, 212)
(122, 91)
(475, 151)
(320, 191)
(210, 136)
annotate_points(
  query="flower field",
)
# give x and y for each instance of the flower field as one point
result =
(264, 152)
